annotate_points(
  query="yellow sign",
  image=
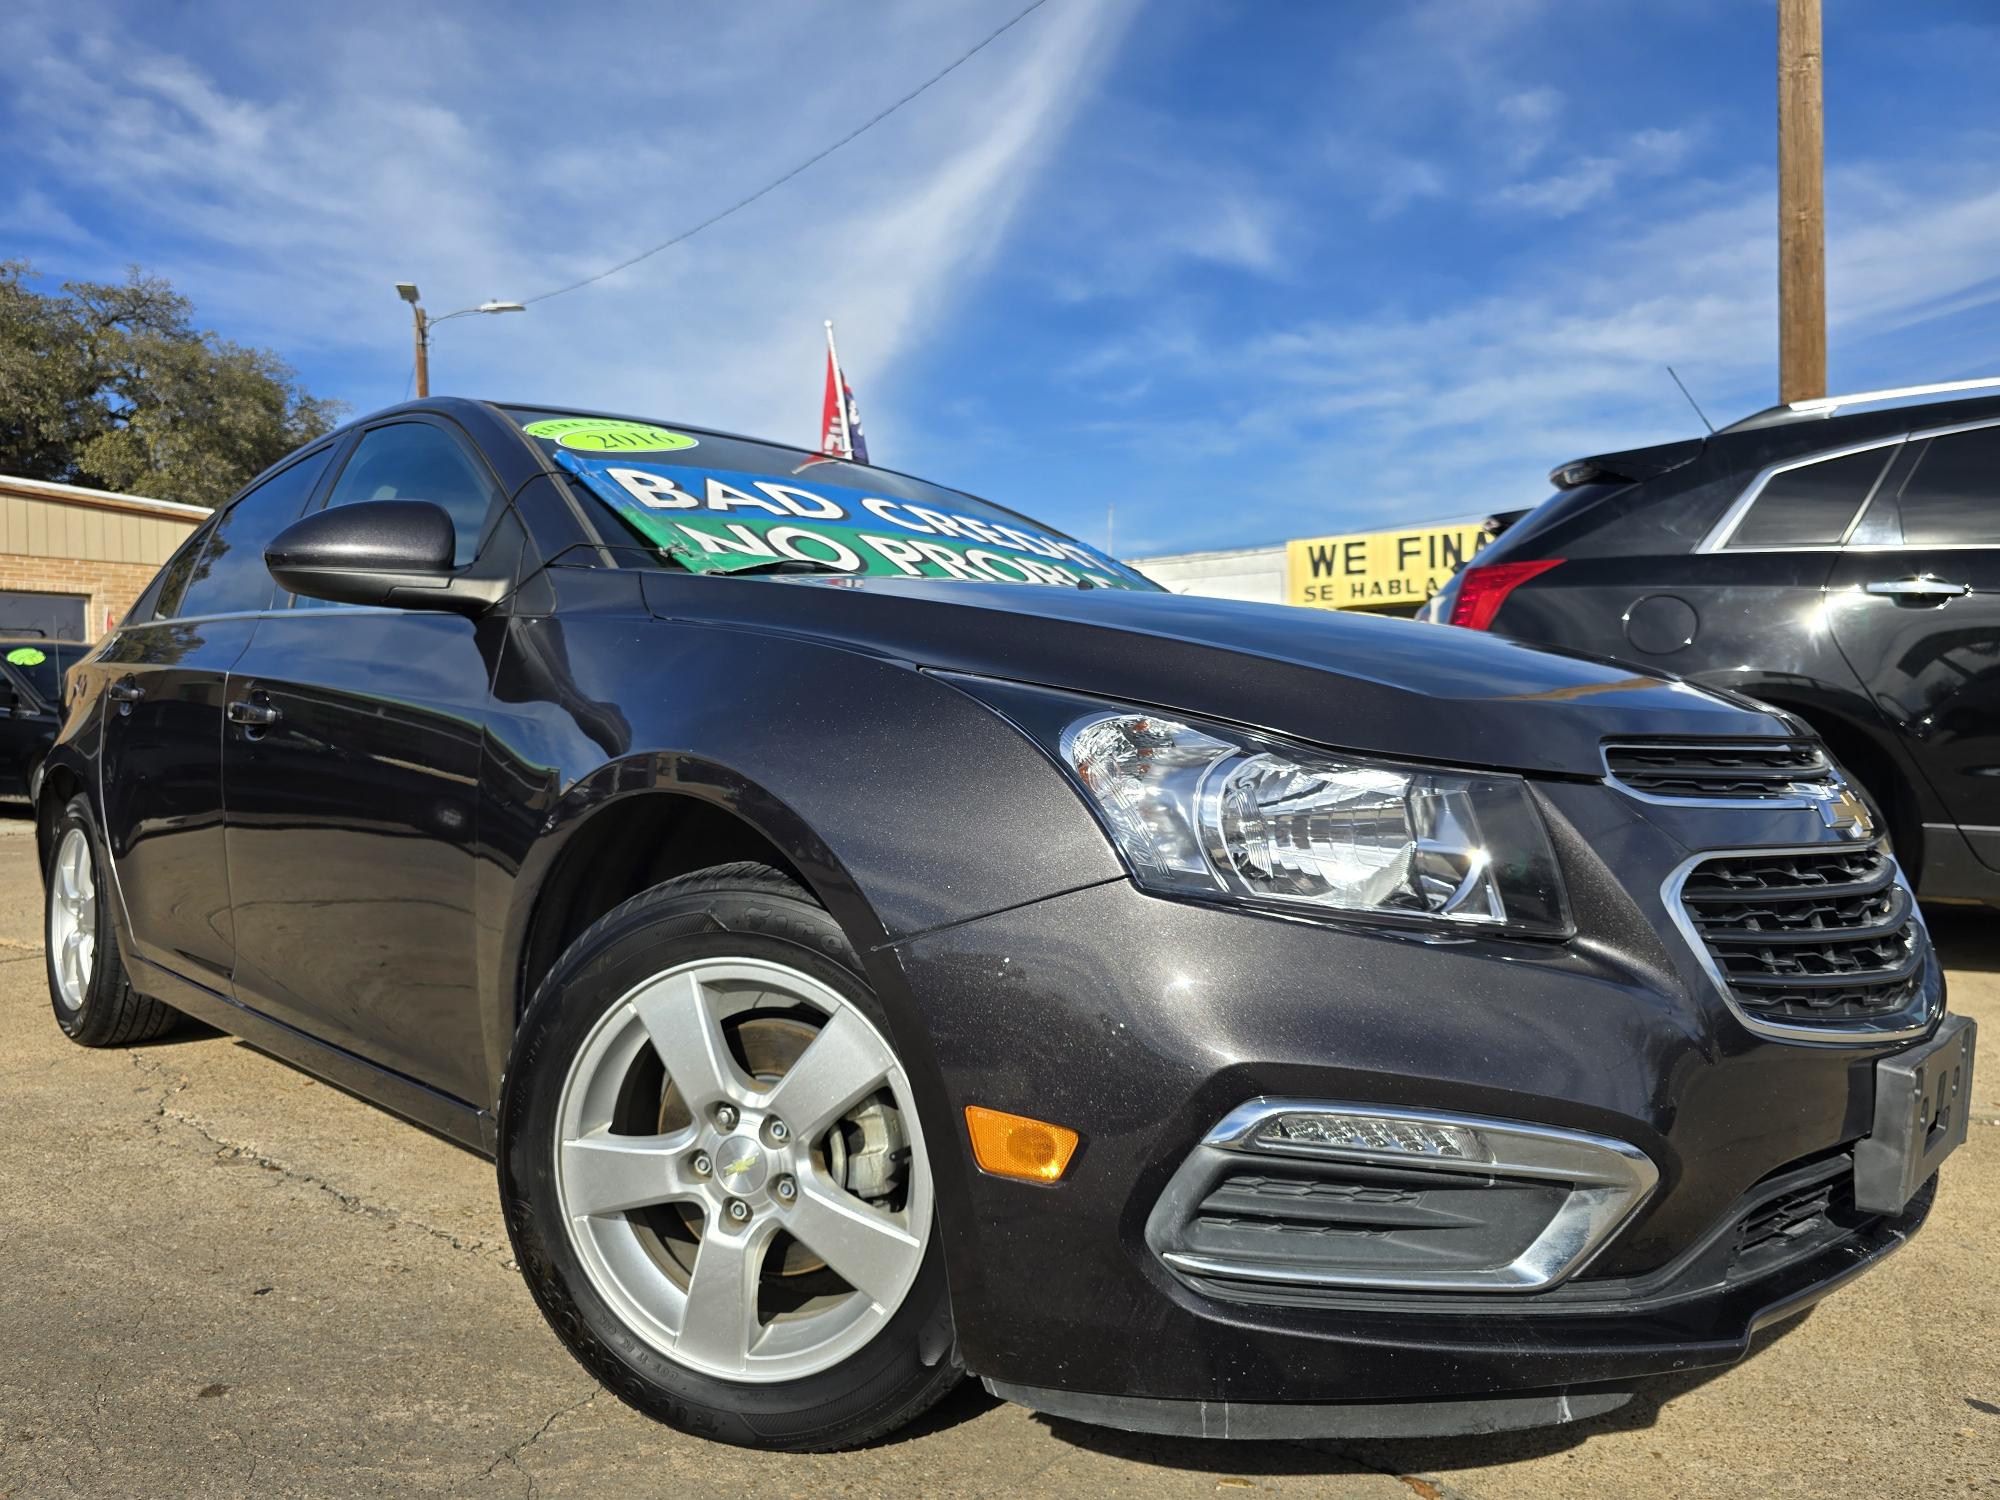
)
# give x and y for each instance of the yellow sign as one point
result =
(1377, 569)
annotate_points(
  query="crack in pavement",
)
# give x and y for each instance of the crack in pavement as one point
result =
(164, 1114)
(513, 1455)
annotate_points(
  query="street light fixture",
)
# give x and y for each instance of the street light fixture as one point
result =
(407, 290)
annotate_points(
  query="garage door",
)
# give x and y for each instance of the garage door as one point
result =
(57, 616)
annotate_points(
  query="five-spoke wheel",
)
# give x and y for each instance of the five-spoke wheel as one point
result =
(740, 1169)
(714, 1173)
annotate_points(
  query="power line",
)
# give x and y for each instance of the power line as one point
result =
(810, 161)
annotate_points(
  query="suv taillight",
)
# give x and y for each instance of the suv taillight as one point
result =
(1482, 590)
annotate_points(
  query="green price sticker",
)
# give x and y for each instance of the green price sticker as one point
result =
(27, 656)
(602, 435)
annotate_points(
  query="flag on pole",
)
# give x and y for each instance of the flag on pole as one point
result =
(840, 419)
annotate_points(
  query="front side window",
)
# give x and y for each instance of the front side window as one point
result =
(230, 576)
(416, 461)
(707, 503)
(1812, 505)
(1953, 498)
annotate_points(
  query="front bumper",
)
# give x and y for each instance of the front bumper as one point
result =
(1141, 1022)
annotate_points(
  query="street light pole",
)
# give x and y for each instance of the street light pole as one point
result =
(407, 290)
(423, 352)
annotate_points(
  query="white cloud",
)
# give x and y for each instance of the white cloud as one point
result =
(1461, 408)
(286, 176)
(1588, 179)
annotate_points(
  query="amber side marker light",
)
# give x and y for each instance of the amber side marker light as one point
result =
(1016, 1146)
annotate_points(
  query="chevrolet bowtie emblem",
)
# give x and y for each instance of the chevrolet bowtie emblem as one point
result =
(741, 1164)
(1840, 809)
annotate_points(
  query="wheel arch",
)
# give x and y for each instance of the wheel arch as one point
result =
(644, 819)
(60, 782)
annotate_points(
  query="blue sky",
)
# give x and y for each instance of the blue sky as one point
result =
(1248, 270)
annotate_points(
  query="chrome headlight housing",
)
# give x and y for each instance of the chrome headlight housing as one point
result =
(1218, 812)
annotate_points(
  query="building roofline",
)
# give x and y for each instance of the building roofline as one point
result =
(77, 494)
(1207, 556)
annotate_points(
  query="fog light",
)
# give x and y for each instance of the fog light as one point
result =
(1376, 1135)
(1016, 1146)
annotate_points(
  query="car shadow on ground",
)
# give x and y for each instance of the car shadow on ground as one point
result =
(1401, 1456)
(1967, 937)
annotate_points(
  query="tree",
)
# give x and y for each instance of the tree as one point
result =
(112, 385)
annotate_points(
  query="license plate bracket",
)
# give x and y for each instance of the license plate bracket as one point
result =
(1923, 1104)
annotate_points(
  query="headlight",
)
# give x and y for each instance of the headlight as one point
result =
(1212, 812)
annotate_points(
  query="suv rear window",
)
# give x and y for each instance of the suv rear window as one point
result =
(1812, 505)
(1953, 498)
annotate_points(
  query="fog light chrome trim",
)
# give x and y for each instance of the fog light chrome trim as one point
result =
(1608, 1180)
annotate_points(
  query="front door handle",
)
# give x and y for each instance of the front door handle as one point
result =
(125, 690)
(1926, 588)
(256, 715)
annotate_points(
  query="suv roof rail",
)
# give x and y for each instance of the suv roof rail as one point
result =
(1826, 406)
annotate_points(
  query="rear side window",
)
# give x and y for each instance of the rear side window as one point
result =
(1953, 498)
(231, 577)
(1813, 505)
(416, 461)
(172, 584)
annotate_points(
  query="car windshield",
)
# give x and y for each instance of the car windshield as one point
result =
(43, 663)
(709, 503)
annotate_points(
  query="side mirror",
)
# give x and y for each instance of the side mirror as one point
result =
(390, 552)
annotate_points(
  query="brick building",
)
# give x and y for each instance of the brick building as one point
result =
(73, 560)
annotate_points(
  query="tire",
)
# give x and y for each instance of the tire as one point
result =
(679, 1020)
(93, 1002)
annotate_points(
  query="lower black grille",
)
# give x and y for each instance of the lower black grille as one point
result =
(1699, 770)
(1787, 1225)
(1827, 937)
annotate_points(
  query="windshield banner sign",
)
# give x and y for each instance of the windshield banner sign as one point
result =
(722, 520)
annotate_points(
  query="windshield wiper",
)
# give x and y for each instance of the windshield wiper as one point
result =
(781, 565)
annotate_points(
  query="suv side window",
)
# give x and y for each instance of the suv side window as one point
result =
(1953, 498)
(230, 577)
(1812, 505)
(417, 461)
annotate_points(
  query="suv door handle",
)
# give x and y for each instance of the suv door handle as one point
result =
(257, 715)
(1926, 587)
(125, 690)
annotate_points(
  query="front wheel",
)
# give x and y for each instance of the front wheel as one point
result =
(714, 1176)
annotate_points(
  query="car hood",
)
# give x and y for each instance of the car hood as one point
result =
(1386, 686)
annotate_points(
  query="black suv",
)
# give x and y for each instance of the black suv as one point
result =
(1838, 558)
(882, 938)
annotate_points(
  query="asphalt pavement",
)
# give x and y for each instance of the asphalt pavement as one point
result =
(221, 1277)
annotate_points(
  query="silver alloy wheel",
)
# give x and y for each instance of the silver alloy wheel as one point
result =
(747, 1181)
(73, 918)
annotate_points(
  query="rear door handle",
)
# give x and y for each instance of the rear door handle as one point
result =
(1925, 587)
(125, 690)
(256, 715)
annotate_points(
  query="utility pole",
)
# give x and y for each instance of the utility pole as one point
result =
(1801, 204)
